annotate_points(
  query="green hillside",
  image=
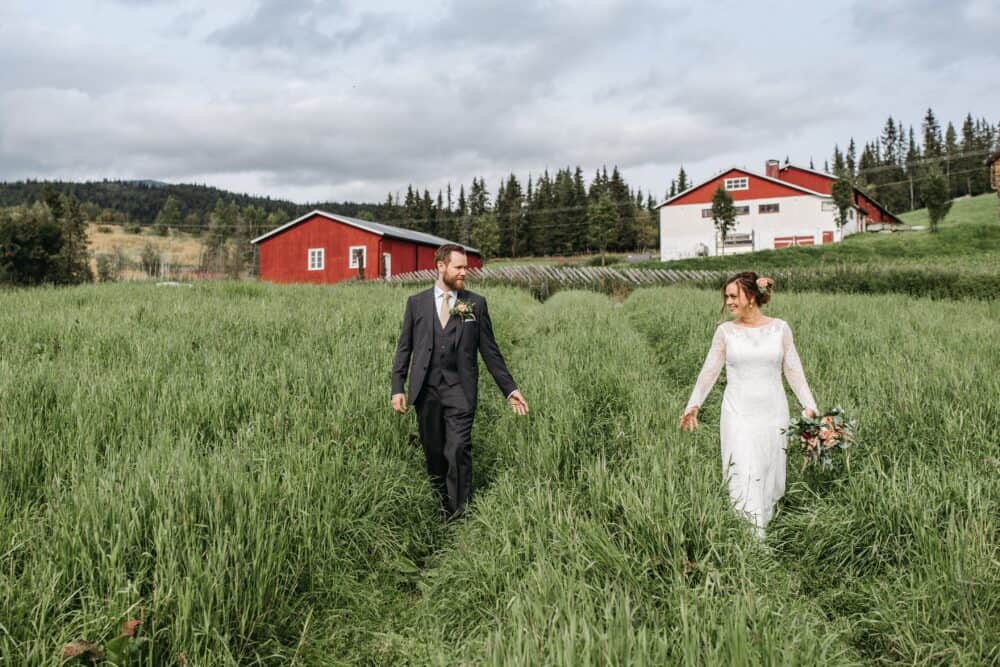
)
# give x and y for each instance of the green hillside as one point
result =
(969, 238)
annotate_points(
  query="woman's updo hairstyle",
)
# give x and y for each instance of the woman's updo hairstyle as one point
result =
(757, 288)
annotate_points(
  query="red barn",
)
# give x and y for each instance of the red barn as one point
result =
(325, 247)
(783, 206)
(818, 181)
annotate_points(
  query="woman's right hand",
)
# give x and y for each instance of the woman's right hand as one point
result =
(689, 420)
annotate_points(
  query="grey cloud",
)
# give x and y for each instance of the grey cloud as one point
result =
(95, 68)
(291, 26)
(184, 23)
(939, 33)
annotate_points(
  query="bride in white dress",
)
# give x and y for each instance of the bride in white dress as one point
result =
(755, 349)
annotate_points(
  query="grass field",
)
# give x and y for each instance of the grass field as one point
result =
(178, 249)
(969, 239)
(222, 462)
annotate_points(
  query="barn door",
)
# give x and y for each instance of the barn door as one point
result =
(386, 265)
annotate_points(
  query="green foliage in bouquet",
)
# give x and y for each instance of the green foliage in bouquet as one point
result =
(820, 436)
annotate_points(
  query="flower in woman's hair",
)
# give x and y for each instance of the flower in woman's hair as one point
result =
(764, 284)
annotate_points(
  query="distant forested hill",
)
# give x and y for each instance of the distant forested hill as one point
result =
(142, 201)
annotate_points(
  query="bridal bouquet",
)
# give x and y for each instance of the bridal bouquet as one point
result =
(820, 436)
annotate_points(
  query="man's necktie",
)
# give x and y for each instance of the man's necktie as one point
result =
(445, 313)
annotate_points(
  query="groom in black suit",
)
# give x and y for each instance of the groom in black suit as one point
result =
(443, 329)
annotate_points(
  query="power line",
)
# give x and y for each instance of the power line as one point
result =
(524, 213)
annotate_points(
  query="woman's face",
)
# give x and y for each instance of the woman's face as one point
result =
(737, 302)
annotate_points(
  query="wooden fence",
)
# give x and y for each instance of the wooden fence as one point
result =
(562, 277)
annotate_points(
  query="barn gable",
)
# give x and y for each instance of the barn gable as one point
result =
(756, 186)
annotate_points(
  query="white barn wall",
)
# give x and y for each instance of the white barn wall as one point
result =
(682, 229)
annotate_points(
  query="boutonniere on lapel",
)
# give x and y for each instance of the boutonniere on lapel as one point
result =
(464, 310)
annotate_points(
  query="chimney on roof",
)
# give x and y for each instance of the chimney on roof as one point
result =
(771, 169)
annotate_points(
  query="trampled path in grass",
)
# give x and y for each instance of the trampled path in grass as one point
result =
(222, 460)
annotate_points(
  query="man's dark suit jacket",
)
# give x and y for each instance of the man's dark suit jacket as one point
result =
(416, 344)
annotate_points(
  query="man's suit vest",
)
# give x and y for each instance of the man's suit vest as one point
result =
(443, 367)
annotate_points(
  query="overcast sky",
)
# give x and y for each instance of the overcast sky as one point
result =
(315, 100)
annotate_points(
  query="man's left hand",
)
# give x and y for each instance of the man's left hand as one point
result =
(517, 403)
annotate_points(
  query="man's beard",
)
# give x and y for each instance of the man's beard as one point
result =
(455, 283)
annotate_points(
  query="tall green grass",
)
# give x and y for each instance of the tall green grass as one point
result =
(222, 462)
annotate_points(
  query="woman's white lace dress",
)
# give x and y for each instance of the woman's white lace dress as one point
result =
(754, 410)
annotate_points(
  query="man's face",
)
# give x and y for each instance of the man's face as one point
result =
(453, 273)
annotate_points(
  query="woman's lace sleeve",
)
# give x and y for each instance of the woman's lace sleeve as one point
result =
(792, 366)
(714, 362)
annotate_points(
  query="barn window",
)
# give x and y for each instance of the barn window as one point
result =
(356, 257)
(706, 213)
(767, 208)
(829, 206)
(741, 183)
(741, 210)
(317, 257)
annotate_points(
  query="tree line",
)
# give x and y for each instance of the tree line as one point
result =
(550, 214)
(893, 166)
(44, 242)
(141, 202)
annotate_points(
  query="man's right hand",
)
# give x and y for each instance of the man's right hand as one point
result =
(399, 403)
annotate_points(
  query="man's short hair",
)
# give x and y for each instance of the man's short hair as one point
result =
(443, 254)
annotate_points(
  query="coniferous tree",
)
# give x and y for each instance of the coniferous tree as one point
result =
(838, 161)
(912, 168)
(970, 143)
(578, 201)
(389, 212)
(73, 257)
(510, 216)
(464, 227)
(950, 156)
(933, 148)
(851, 159)
(53, 200)
(602, 219)
(682, 180)
(479, 198)
(624, 235)
(428, 216)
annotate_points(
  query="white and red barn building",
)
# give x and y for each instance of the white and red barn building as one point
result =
(784, 206)
(322, 247)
